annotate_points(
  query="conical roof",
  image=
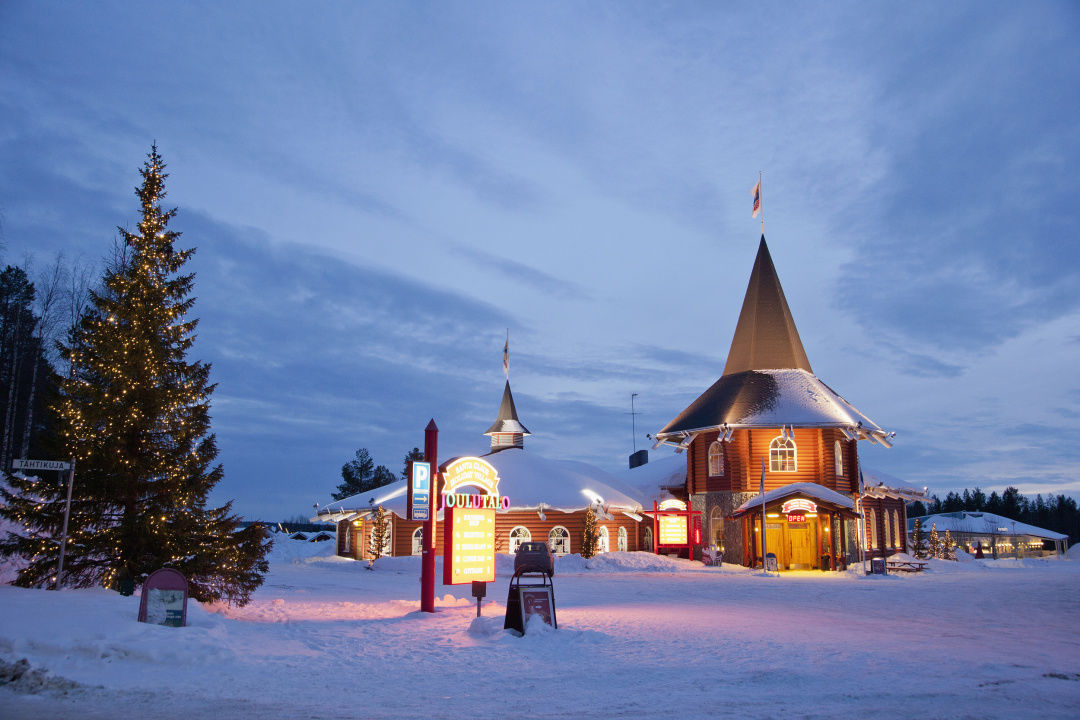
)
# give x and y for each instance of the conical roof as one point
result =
(765, 336)
(507, 421)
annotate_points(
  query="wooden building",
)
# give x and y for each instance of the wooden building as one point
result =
(548, 502)
(769, 421)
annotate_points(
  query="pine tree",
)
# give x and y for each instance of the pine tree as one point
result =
(590, 534)
(134, 414)
(416, 454)
(948, 547)
(935, 542)
(379, 530)
(918, 540)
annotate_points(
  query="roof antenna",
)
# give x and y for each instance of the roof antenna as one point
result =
(633, 419)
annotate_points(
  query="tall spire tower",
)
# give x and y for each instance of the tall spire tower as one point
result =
(507, 431)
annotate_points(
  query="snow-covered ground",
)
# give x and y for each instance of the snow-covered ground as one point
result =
(639, 636)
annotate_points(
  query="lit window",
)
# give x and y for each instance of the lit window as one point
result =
(517, 536)
(623, 542)
(559, 540)
(716, 458)
(603, 541)
(782, 455)
(646, 540)
(888, 528)
(871, 528)
(838, 455)
(896, 529)
(418, 541)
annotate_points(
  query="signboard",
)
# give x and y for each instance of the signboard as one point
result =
(672, 529)
(470, 471)
(420, 491)
(22, 464)
(796, 517)
(799, 505)
(469, 545)
(537, 601)
(164, 599)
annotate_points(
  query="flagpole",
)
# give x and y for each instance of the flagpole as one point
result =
(764, 545)
(760, 185)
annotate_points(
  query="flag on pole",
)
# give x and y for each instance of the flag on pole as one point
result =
(506, 355)
(756, 192)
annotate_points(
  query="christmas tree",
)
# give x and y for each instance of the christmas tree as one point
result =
(948, 548)
(134, 416)
(935, 542)
(379, 534)
(590, 534)
(918, 540)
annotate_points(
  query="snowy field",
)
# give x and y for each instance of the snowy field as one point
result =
(640, 636)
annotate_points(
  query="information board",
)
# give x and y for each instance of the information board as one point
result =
(537, 601)
(419, 490)
(672, 529)
(469, 543)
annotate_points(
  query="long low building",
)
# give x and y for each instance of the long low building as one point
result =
(995, 535)
(545, 500)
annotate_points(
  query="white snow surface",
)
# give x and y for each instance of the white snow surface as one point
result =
(529, 480)
(639, 635)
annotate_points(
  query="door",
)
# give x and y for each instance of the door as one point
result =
(802, 544)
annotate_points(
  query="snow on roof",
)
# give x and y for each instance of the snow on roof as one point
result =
(982, 523)
(880, 484)
(801, 488)
(529, 480)
(770, 398)
(651, 479)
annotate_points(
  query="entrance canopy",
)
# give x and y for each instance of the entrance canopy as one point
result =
(819, 494)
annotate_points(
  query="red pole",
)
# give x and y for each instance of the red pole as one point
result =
(427, 561)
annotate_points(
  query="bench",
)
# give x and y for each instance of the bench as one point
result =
(905, 565)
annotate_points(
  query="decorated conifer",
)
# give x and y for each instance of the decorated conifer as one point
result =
(134, 415)
(379, 534)
(590, 534)
(918, 539)
(948, 547)
(935, 542)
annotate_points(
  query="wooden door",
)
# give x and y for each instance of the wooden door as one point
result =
(802, 541)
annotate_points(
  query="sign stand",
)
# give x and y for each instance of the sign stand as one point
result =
(427, 561)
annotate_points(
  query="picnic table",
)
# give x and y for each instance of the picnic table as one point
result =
(905, 565)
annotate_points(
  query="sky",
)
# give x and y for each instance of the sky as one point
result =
(379, 192)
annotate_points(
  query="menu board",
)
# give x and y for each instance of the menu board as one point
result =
(469, 546)
(672, 529)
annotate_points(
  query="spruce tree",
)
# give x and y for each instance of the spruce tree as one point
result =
(918, 540)
(590, 534)
(134, 414)
(935, 542)
(379, 534)
(417, 455)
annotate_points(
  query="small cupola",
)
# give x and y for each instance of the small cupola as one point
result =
(507, 431)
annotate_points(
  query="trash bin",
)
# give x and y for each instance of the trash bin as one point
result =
(826, 562)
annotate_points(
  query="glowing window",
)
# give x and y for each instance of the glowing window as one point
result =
(418, 541)
(888, 528)
(559, 540)
(871, 528)
(716, 458)
(783, 455)
(517, 536)
(603, 540)
(896, 529)
(624, 544)
(838, 455)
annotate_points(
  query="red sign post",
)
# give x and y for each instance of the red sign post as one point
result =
(427, 560)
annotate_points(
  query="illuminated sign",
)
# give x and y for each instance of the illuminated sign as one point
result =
(796, 517)
(672, 529)
(420, 497)
(470, 471)
(470, 546)
(672, 504)
(476, 502)
(798, 505)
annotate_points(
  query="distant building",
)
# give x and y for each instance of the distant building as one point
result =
(769, 414)
(995, 535)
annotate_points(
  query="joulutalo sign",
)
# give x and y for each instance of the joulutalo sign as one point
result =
(469, 521)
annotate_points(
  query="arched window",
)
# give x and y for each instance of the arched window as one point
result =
(347, 528)
(603, 540)
(782, 455)
(624, 544)
(838, 456)
(388, 541)
(716, 527)
(517, 536)
(887, 522)
(559, 540)
(716, 458)
(646, 540)
(897, 538)
(871, 528)
(418, 541)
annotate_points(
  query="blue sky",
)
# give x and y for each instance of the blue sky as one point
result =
(377, 191)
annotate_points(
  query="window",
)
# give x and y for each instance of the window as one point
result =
(624, 545)
(782, 455)
(559, 540)
(888, 527)
(348, 536)
(517, 536)
(603, 540)
(716, 527)
(897, 538)
(646, 540)
(871, 528)
(838, 455)
(418, 541)
(388, 541)
(716, 458)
